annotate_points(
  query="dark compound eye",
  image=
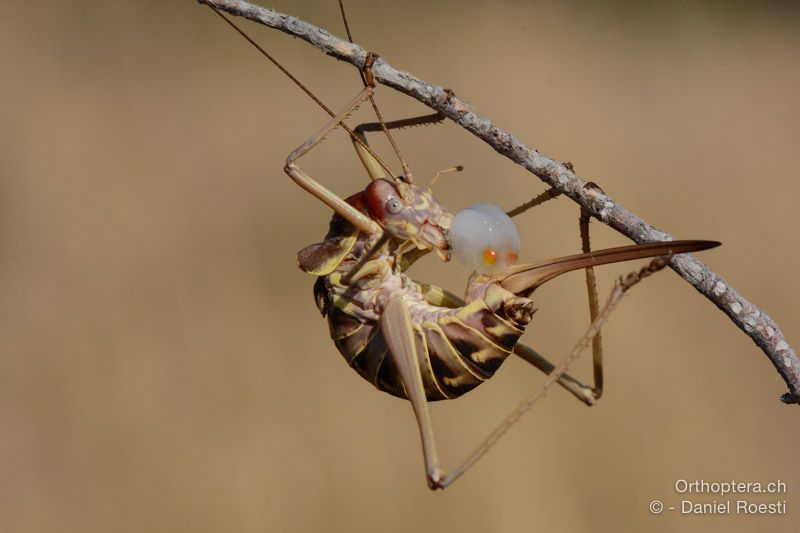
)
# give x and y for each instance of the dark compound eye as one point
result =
(393, 206)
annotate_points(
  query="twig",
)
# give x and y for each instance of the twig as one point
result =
(749, 318)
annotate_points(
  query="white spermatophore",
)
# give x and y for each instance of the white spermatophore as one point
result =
(484, 239)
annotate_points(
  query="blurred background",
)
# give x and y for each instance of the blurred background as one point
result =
(163, 366)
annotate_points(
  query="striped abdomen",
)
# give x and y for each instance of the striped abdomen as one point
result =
(458, 348)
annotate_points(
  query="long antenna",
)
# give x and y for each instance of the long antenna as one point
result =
(304, 88)
(406, 170)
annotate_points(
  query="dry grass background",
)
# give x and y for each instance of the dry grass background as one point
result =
(162, 364)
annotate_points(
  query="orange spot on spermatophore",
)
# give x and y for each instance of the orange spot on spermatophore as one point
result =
(489, 256)
(511, 257)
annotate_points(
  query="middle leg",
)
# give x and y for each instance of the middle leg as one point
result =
(587, 394)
